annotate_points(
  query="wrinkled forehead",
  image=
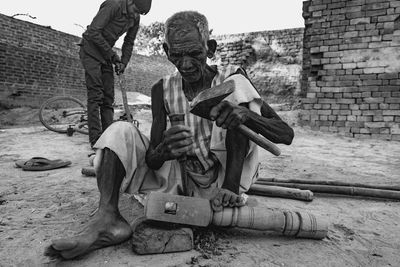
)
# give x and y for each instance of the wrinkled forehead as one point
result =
(182, 31)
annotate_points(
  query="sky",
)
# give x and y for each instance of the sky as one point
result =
(225, 16)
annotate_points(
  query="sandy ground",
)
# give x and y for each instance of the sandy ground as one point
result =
(36, 207)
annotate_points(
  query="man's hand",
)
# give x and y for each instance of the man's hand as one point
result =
(224, 198)
(228, 115)
(177, 141)
(119, 66)
(115, 59)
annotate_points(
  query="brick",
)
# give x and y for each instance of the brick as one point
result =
(387, 18)
(364, 118)
(388, 76)
(388, 118)
(346, 101)
(391, 113)
(374, 70)
(332, 66)
(324, 112)
(343, 114)
(360, 21)
(375, 124)
(370, 100)
(161, 238)
(375, 6)
(392, 100)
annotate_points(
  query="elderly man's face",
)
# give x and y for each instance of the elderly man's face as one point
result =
(187, 52)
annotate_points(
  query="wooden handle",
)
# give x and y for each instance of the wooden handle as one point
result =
(259, 140)
(297, 224)
(124, 99)
(278, 191)
(179, 119)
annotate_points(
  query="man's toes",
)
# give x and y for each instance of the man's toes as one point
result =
(64, 244)
(51, 252)
(75, 252)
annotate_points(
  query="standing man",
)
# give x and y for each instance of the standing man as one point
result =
(114, 18)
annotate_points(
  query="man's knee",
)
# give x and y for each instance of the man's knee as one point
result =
(121, 127)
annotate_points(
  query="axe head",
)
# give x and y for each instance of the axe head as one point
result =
(207, 99)
(178, 209)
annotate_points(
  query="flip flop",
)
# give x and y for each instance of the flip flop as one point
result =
(21, 163)
(41, 164)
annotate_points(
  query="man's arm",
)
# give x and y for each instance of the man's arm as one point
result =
(129, 41)
(229, 116)
(270, 125)
(165, 145)
(108, 10)
(154, 154)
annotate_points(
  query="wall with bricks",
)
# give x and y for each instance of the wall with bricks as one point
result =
(272, 59)
(37, 62)
(351, 67)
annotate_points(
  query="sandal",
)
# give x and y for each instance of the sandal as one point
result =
(41, 164)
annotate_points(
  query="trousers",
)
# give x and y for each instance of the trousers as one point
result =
(99, 80)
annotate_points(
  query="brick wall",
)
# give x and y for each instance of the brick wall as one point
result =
(351, 63)
(271, 58)
(37, 62)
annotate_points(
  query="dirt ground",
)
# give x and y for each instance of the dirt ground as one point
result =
(36, 207)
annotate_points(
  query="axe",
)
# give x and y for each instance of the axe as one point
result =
(207, 99)
(198, 212)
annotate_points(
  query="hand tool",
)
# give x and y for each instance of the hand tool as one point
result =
(208, 98)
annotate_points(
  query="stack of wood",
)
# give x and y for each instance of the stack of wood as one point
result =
(304, 189)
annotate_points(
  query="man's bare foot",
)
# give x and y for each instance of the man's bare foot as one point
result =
(105, 229)
(224, 198)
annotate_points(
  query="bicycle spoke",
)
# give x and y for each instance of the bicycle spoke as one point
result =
(58, 113)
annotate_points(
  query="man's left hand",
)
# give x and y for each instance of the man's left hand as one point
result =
(119, 68)
(228, 115)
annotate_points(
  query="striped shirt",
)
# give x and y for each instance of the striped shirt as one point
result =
(175, 102)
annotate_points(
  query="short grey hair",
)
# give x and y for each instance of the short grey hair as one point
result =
(192, 17)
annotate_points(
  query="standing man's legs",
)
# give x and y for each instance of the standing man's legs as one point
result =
(96, 94)
(106, 109)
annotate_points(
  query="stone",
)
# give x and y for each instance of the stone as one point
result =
(153, 237)
(157, 238)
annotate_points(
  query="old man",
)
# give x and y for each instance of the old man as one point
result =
(126, 161)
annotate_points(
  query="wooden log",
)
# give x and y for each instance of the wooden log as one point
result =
(341, 190)
(326, 182)
(196, 211)
(278, 191)
(289, 223)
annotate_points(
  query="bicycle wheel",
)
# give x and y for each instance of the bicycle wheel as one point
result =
(60, 112)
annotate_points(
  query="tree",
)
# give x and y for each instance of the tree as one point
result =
(150, 38)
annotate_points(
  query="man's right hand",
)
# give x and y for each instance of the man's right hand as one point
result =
(178, 140)
(115, 59)
(119, 66)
